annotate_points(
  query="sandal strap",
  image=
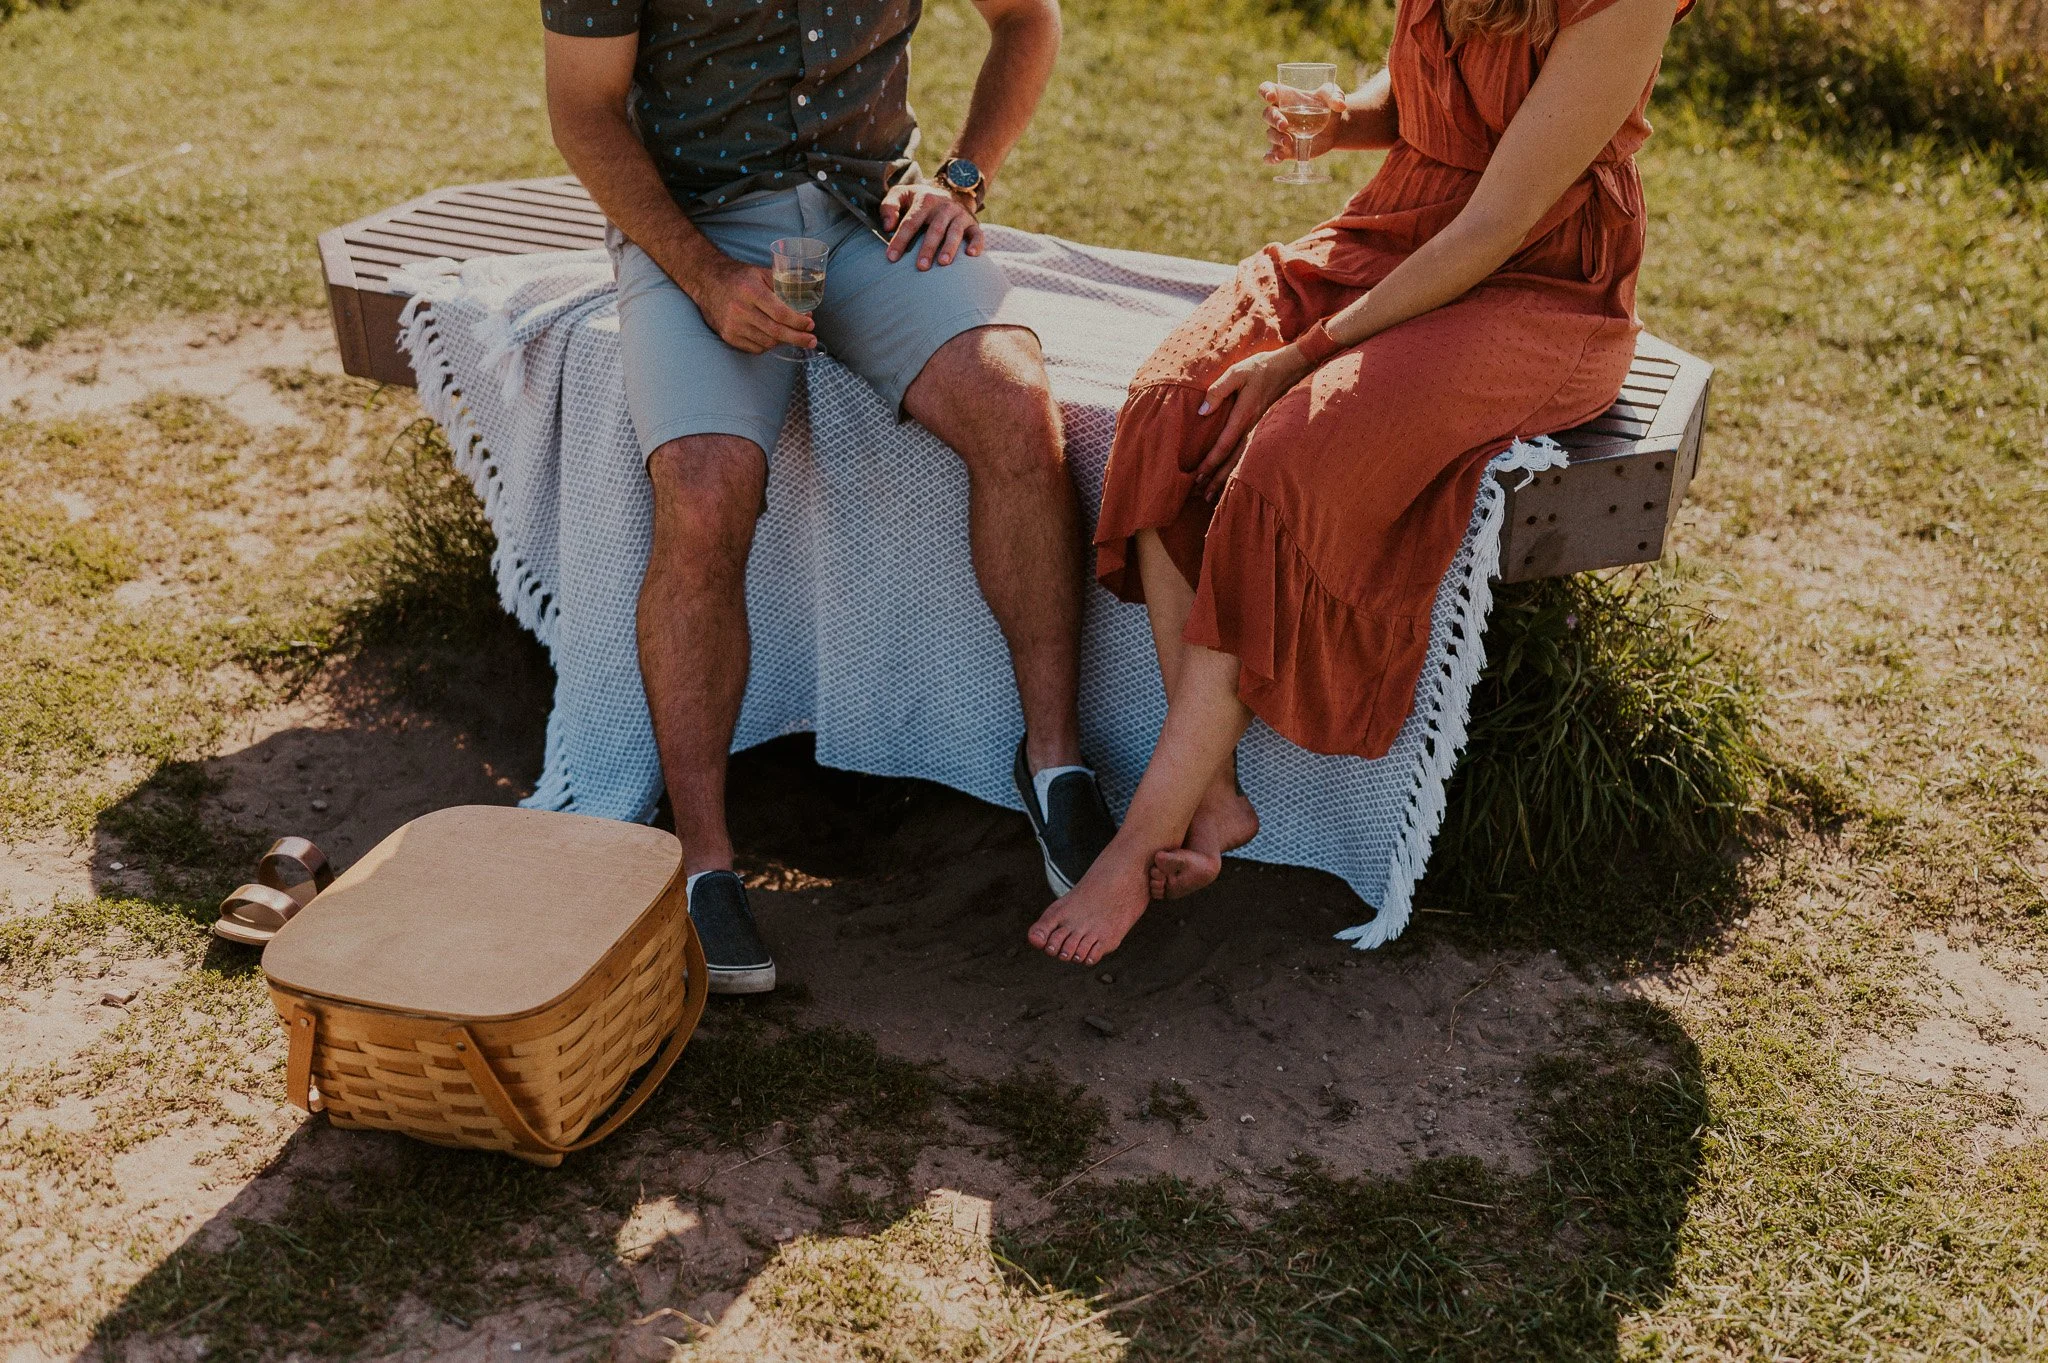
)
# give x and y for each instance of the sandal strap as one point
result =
(262, 907)
(294, 852)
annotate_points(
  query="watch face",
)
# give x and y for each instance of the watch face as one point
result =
(962, 174)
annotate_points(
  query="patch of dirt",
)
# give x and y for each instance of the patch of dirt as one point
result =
(344, 765)
(36, 872)
(1984, 1031)
(1289, 1041)
(40, 1027)
(214, 357)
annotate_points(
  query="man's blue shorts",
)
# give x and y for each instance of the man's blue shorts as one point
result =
(881, 318)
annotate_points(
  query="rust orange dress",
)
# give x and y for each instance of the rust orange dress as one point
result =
(1318, 565)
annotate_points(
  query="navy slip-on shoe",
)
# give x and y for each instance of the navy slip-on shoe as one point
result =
(1073, 825)
(736, 961)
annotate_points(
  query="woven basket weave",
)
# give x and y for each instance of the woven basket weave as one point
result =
(597, 904)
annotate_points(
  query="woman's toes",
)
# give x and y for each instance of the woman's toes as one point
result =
(1041, 932)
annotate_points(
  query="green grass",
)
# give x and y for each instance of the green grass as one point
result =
(1607, 735)
(1048, 1125)
(1859, 589)
(1971, 74)
(458, 1234)
(747, 1076)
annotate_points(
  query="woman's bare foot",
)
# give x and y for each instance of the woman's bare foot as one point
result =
(1089, 921)
(1225, 822)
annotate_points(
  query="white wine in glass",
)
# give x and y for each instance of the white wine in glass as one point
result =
(798, 277)
(1306, 115)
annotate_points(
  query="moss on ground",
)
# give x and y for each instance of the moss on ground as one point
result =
(1048, 1126)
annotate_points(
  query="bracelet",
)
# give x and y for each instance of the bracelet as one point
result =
(1317, 344)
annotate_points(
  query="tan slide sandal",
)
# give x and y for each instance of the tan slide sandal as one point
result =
(253, 913)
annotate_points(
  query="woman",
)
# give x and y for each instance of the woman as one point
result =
(1296, 465)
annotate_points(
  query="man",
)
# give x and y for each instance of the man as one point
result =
(706, 129)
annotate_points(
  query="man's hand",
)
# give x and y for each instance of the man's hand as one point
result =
(948, 224)
(739, 302)
(1280, 142)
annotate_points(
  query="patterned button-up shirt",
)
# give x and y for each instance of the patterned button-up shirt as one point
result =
(733, 96)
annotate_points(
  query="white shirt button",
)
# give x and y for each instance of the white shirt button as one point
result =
(821, 175)
(803, 99)
(815, 35)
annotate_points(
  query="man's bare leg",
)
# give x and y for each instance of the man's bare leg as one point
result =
(693, 626)
(985, 394)
(1203, 724)
(1225, 820)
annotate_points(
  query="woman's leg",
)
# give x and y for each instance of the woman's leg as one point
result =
(1225, 819)
(1204, 720)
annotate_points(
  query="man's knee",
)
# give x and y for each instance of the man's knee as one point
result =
(995, 399)
(708, 486)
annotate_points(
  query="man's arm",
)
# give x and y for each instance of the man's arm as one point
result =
(587, 82)
(1024, 41)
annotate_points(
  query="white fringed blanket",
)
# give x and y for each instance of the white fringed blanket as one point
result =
(868, 628)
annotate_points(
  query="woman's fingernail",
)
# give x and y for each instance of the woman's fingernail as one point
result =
(1203, 410)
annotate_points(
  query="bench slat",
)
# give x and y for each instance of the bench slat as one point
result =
(1612, 505)
(512, 217)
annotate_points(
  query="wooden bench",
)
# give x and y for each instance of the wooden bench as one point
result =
(1613, 504)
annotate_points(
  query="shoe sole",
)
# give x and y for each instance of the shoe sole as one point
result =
(1059, 884)
(1055, 881)
(759, 980)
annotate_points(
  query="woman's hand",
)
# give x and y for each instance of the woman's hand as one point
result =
(1255, 384)
(1280, 142)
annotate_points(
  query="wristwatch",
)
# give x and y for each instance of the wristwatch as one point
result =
(963, 177)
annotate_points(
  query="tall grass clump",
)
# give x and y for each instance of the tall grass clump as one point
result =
(1605, 729)
(1971, 73)
(424, 573)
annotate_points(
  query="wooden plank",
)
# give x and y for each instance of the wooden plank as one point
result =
(409, 236)
(343, 304)
(501, 207)
(388, 364)
(520, 212)
(566, 190)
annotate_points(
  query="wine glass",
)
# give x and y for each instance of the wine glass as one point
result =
(1307, 115)
(798, 276)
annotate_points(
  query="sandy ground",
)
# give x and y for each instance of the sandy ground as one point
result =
(895, 909)
(216, 358)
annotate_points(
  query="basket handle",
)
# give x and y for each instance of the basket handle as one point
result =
(696, 988)
(298, 1064)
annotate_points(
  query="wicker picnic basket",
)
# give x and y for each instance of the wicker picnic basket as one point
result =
(492, 978)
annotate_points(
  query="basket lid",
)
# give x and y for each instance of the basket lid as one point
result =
(475, 912)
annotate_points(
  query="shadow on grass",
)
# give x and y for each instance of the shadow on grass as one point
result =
(1455, 1260)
